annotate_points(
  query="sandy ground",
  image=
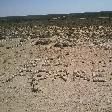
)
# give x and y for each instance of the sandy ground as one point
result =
(44, 78)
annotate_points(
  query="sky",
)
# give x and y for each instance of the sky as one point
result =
(37, 7)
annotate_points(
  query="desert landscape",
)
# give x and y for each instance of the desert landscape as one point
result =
(56, 66)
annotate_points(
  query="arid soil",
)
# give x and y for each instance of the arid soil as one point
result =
(56, 74)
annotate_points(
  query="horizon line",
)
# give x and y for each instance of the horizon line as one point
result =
(53, 14)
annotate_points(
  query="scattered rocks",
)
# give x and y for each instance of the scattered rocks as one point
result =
(63, 78)
(55, 68)
(79, 74)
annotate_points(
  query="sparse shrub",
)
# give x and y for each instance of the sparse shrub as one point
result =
(42, 42)
(2, 37)
(1, 45)
(22, 40)
(63, 44)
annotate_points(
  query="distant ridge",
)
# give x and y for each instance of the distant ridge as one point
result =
(47, 17)
(104, 12)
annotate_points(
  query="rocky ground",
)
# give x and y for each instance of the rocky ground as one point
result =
(65, 72)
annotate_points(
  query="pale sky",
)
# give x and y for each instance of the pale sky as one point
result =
(36, 7)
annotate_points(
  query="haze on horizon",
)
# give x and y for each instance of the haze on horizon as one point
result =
(40, 7)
